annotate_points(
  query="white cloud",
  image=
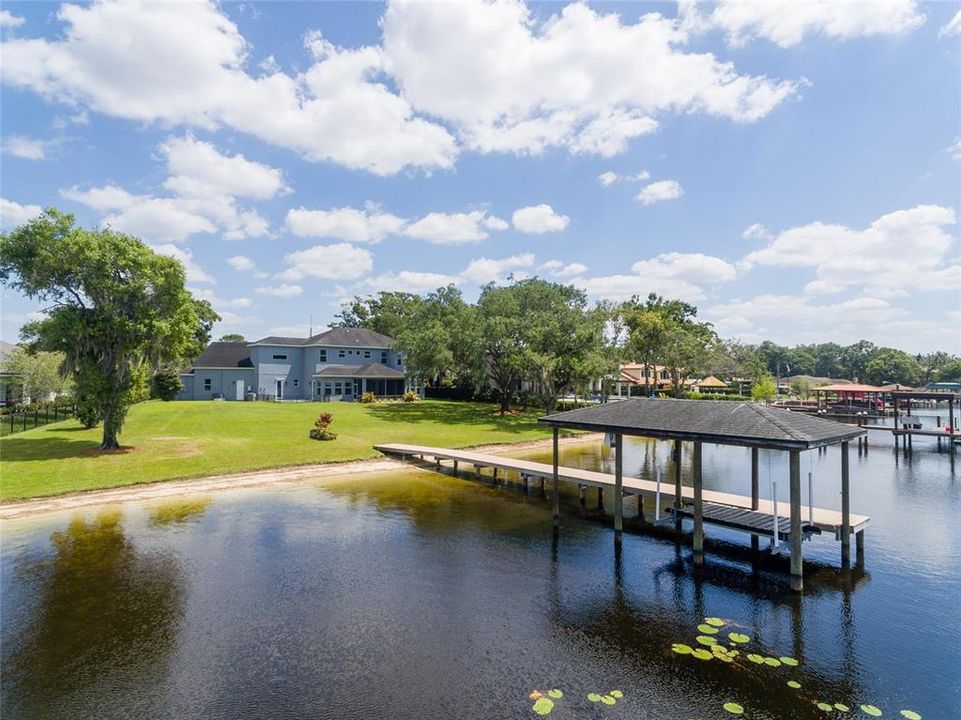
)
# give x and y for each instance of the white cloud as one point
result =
(484, 270)
(578, 79)
(453, 228)
(240, 262)
(409, 281)
(219, 303)
(25, 147)
(793, 319)
(346, 223)
(787, 23)
(231, 318)
(755, 232)
(13, 213)
(341, 261)
(659, 191)
(8, 19)
(560, 269)
(954, 150)
(194, 272)
(900, 250)
(952, 27)
(610, 177)
(205, 186)
(674, 275)
(281, 291)
(538, 219)
(197, 168)
(184, 63)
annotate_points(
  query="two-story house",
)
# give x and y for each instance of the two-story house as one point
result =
(340, 364)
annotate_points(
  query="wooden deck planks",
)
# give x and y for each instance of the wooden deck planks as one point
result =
(824, 520)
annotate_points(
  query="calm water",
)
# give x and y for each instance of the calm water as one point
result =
(418, 595)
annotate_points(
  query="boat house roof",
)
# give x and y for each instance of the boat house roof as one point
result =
(712, 421)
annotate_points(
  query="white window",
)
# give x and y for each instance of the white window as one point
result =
(297, 384)
(366, 353)
(383, 356)
(341, 353)
(323, 355)
(208, 384)
(338, 387)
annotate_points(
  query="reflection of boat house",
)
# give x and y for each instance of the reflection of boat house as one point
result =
(339, 364)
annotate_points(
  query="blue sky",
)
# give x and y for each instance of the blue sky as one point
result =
(794, 170)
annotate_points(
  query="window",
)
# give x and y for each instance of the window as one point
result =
(208, 384)
(280, 357)
(341, 353)
(399, 362)
(338, 387)
(383, 357)
(297, 384)
(347, 388)
(323, 355)
(366, 353)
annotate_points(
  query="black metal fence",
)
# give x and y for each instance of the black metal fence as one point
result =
(14, 422)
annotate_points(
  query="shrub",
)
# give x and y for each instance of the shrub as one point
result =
(368, 397)
(321, 429)
(88, 411)
(410, 397)
(166, 384)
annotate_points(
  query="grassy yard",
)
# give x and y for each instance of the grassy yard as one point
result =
(170, 440)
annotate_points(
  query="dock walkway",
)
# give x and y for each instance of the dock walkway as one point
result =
(821, 520)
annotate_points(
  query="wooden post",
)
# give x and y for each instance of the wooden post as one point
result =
(582, 491)
(698, 504)
(556, 486)
(755, 493)
(678, 491)
(845, 506)
(618, 484)
(797, 560)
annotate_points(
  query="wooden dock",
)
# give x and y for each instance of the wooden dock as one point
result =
(820, 520)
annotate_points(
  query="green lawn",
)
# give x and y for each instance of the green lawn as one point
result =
(166, 440)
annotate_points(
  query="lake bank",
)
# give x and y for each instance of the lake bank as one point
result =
(262, 478)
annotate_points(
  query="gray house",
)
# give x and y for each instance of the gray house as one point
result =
(340, 364)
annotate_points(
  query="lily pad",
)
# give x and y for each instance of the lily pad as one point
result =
(789, 661)
(756, 659)
(871, 710)
(739, 638)
(733, 653)
(702, 654)
(716, 622)
(616, 694)
(555, 693)
(793, 684)
(706, 640)
(733, 708)
(825, 707)
(593, 697)
(841, 706)
(725, 658)
(608, 700)
(543, 706)
(679, 648)
(706, 629)
(911, 715)
(773, 662)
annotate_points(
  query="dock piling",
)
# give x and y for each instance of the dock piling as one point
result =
(555, 489)
(797, 551)
(618, 484)
(697, 481)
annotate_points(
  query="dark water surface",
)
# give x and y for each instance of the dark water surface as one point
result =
(419, 595)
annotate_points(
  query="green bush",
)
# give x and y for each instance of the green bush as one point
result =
(321, 429)
(166, 384)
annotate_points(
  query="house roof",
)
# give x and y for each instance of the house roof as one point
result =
(849, 387)
(711, 381)
(373, 370)
(224, 355)
(335, 337)
(713, 421)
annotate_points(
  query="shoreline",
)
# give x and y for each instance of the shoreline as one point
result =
(271, 477)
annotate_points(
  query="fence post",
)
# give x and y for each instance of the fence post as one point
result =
(24, 420)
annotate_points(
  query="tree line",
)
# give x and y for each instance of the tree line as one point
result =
(548, 338)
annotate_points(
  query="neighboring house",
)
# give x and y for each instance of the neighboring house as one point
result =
(11, 389)
(340, 364)
(634, 375)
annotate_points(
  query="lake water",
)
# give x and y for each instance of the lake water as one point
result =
(420, 595)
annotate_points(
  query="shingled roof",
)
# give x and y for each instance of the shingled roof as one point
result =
(335, 337)
(224, 355)
(370, 370)
(712, 421)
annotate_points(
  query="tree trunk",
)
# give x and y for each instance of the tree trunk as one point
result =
(505, 403)
(112, 419)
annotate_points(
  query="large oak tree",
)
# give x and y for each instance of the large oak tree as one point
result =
(117, 308)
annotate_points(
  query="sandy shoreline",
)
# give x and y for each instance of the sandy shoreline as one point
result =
(271, 477)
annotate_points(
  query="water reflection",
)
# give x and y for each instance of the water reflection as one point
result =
(102, 620)
(179, 512)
